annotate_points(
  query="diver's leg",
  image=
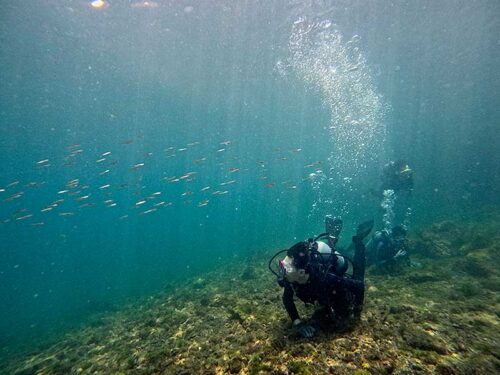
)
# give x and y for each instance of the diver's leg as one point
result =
(359, 260)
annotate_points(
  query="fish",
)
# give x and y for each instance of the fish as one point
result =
(225, 143)
(47, 209)
(44, 161)
(220, 149)
(220, 192)
(104, 172)
(205, 188)
(138, 165)
(199, 160)
(181, 149)
(149, 211)
(193, 144)
(234, 170)
(62, 191)
(227, 183)
(140, 202)
(14, 183)
(24, 217)
(203, 203)
(14, 196)
(100, 160)
(187, 175)
(104, 186)
(82, 198)
(106, 153)
(66, 214)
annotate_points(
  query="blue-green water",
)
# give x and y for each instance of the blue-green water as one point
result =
(145, 142)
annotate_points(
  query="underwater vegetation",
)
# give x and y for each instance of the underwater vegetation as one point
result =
(439, 316)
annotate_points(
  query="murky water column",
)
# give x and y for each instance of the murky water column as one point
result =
(321, 57)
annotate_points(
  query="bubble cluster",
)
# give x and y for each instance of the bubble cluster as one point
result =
(388, 201)
(321, 57)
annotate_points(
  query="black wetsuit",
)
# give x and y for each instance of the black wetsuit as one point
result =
(382, 248)
(341, 293)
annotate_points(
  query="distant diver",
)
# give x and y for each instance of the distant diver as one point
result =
(398, 177)
(316, 273)
(388, 251)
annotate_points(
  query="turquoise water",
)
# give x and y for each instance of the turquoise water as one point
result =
(146, 142)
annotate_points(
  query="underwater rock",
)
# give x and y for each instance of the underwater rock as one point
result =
(419, 339)
(479, 263)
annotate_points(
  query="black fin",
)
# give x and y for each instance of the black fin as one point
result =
(364, 229)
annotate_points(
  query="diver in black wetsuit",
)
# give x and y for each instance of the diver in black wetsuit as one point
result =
(388, 250)
(315, 272)
(398, 177)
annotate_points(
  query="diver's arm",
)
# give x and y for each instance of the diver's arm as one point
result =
(288, 302)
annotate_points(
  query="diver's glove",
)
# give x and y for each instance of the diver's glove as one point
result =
(400, 253)
(304, 329)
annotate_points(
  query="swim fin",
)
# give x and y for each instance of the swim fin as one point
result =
(333, 226)
(364, 229)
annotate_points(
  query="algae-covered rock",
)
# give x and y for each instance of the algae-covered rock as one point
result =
(417, 338)
(479, 263)
(299, 368)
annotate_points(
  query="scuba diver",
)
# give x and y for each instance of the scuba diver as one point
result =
(398, 177)
(388, 250)
(316, 273)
